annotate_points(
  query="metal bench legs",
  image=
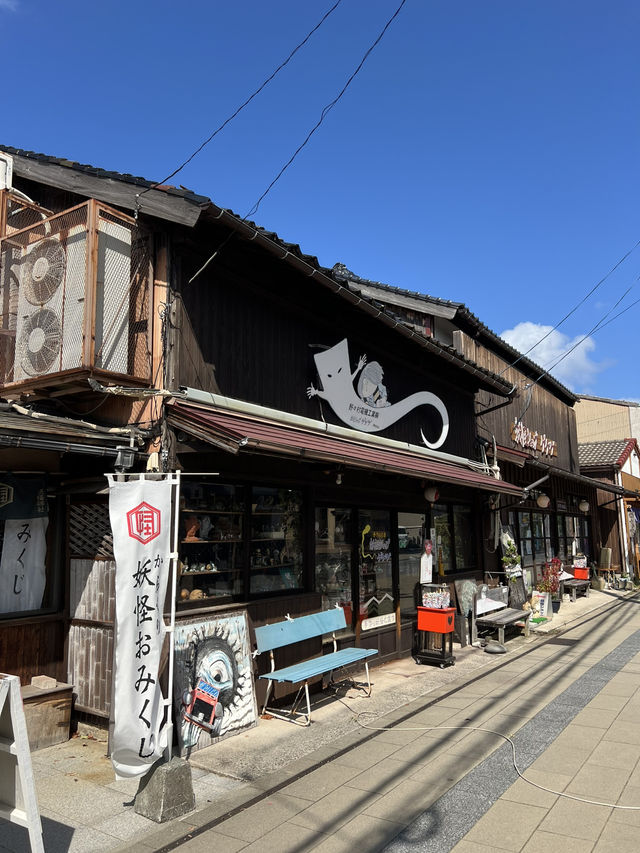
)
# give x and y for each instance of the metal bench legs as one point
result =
(292, 714)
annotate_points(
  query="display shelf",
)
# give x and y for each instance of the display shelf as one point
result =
(194, 511)
(210, 541)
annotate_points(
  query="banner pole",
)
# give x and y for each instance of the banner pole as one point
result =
(172, 624)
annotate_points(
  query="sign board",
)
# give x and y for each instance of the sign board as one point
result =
(18, 803)
(366, 406)
(378, 621)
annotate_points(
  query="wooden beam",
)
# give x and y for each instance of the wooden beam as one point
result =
(111, 190)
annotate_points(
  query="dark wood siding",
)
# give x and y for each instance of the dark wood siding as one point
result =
(29, 648)
(541, 412)
(260, 323)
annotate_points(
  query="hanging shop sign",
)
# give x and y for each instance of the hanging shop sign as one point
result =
(522, 435)
(140, 514)
(366, 406)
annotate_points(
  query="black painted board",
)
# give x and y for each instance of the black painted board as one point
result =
(517, 593)
(465, 590)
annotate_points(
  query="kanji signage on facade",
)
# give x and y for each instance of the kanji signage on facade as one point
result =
(522, 435)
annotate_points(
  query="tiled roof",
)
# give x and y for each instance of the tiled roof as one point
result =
(341, 272)
(598, 453)
(290, 249)
(628, 403)
(96, 172)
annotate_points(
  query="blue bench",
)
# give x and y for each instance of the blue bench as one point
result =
(271, 637)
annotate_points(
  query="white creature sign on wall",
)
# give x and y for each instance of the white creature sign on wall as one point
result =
(366, 407)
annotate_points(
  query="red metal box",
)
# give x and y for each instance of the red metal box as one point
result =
(439, 620)
(580, 574)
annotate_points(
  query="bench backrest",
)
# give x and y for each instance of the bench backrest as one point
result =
(290, 631)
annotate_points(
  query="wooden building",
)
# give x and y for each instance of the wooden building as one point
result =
(321, 439)
(617, 462)
(532, 435)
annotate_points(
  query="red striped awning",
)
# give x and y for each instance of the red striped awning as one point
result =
(237, 433)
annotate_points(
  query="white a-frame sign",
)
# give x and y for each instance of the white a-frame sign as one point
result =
(18, 803)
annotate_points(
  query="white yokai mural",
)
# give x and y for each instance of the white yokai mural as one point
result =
(366, 407)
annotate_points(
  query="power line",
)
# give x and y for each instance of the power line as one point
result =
(247, 102)
(573, 310)
(598, 326)
(323, 115)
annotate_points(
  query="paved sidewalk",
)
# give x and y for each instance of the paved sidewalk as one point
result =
(336, 785)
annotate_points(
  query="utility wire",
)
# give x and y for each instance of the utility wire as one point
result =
(323, 115)
(247, 102)
(326, 110)
(598, 326)
(574, 309)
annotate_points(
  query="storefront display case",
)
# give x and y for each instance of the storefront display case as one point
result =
(276, 540)
(237, 541)
(211, 541)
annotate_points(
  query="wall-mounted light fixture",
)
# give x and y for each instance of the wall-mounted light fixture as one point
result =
(543, 500)
(431, 494)
(583, 506)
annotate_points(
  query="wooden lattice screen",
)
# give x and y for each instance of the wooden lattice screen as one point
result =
(90, 531)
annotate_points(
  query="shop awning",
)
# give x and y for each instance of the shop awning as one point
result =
(237, 433)
(583, 479)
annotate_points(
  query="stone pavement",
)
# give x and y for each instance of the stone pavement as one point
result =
(571, 702)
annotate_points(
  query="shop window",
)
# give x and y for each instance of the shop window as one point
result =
(375, 572)
(211, 541)
(454, 538)
(411, 536)
(333, 556)
(573, 537)
(534, 536)
(464, 538)
(276, 557)
(237, 541)
(28, 544)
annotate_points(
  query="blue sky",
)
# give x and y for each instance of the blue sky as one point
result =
(487, 152)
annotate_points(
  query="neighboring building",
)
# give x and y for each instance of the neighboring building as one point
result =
(617, 462)
(601, 419)
(533, 435)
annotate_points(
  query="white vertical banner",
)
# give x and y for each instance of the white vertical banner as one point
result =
(22, 567)
(140, 514)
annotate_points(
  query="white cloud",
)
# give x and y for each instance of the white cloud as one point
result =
(9, 5)
(577, 370)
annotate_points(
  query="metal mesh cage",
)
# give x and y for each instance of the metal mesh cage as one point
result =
(122, 298)
(74, 293)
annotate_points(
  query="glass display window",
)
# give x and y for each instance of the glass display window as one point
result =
(276, 546)
(455, 540)
(412, 535)
(211, 538)
(375, 567)
(333, 558)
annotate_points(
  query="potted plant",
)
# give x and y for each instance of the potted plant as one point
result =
(511, 560)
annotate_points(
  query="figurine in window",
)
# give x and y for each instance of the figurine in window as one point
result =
(192, 526)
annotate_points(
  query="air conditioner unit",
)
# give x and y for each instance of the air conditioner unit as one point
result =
(58, 311)
(50, 319)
